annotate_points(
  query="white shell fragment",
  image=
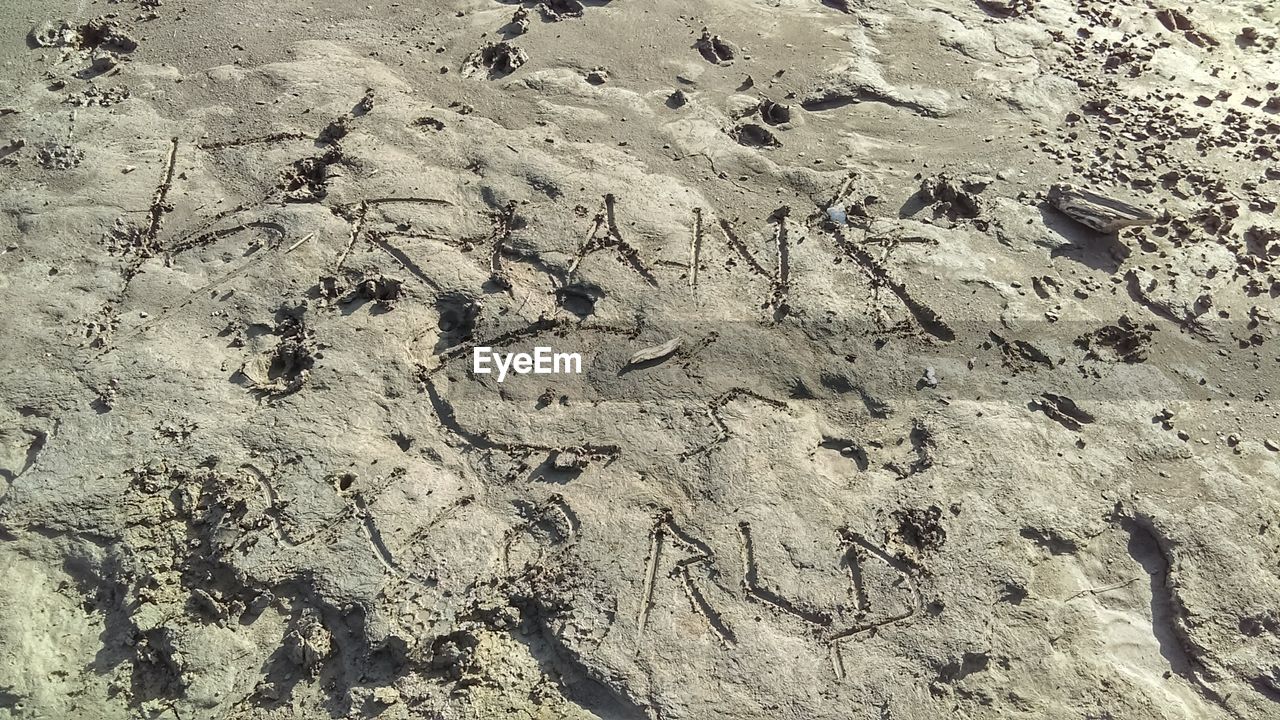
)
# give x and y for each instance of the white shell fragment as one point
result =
(657, 352)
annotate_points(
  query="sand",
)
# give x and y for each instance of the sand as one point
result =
(929, 359)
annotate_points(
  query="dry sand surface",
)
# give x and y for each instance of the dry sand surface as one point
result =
(929, 359)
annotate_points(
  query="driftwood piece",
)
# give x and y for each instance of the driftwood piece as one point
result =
(1096, 211)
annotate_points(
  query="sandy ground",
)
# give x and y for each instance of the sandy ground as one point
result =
(913, 431)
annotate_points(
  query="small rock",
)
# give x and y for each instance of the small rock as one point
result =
(930, 377)
(598, 76)
(386, 695)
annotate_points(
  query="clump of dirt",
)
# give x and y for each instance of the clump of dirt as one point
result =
(383, 291)
(715, 49)
(921, 528)
(105, 33)
(1126, 342)
(1063, 410)
(753, 135)
(59, 157)
(285, 367)
(956, 197)
(557, 10)
(306, 180)
(496, 60)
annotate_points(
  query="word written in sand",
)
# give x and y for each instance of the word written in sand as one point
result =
(543, 361)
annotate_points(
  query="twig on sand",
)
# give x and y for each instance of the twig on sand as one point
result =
(1105, 588)
(296, 245)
